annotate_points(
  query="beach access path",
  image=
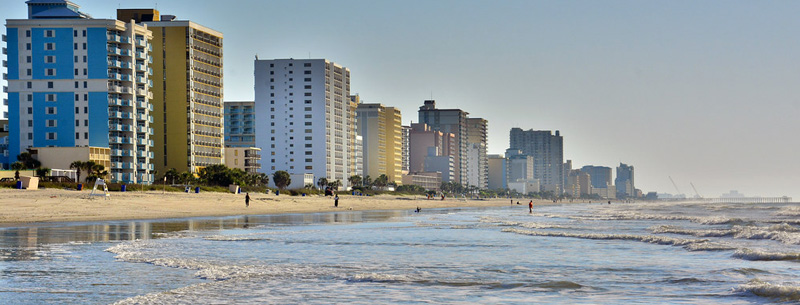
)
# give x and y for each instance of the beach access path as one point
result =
(24, 207)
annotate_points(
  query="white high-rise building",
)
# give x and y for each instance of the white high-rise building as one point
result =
(306, 119)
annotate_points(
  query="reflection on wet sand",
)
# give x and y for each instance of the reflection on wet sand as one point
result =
(21, 243)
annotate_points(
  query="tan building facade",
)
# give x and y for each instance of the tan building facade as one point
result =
(382, 141)
(187, 91)
(247, 159)
(62, 157)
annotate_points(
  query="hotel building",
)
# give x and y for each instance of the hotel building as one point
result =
(77, 81)
(381, 130)
(187, 91)
(306, 119)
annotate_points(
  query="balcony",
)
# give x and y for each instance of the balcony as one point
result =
(120, 102)
(141, 80)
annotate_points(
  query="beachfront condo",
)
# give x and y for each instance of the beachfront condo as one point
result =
(240, 124)
(306, 119)
(452, 121)
(78, 81)
(477, 153)
(382, 132)
(547, 150)
(187, 91)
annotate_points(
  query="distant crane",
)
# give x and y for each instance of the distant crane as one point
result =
(695, 190)
(675, 185)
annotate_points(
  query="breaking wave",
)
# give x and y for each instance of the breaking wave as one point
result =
(759, 255)
(784, 292)
(783, 232)
(690, 244)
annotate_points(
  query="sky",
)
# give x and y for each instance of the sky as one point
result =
(705, 92)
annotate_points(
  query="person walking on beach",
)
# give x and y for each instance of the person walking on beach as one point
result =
(247, 199)
(530, 207)
(336, 201)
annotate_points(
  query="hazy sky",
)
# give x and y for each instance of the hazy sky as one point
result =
(703, 91)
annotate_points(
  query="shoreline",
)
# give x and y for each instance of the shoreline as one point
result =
(47, 206)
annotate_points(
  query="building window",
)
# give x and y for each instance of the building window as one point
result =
(75, 46)
(84, 46)
(48, 33)
(28, 59)
(308, 64)
(308, 145)
(308, 109)
(30, 123)
(85, 135)
(308, 153)
(52, 123)
(52, 136)
(50, 59)
(77, 136)
(86, 123)
(308, 123)
(84, 33)
(271, 72)
(308, 101)
(307, 72)
(309, 167)
(77, 110)
(30, 85)
(30, 72)
(50, 97)
(49, 46)
(75, 33)
(30, 136)
(28, 33)
(309, 160)
(50, 85)
(50, 72)
(28, 46)
(307, 87)
(308, 93)
(30, 97)
(51, 110)
(308, 79)
(308, 138)
(77, 124)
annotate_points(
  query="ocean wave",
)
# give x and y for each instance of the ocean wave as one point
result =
(782, 232)
(653, 239)
(760, 255)
(783, 292)
(788, 211)
(235, 238)
(706, 220)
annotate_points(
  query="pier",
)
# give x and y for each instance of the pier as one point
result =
(784, 199)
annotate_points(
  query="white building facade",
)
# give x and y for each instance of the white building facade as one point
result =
(306, 121)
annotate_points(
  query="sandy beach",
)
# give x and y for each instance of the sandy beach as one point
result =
(54, 205)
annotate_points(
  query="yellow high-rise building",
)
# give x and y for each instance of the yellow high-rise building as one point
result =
(381, 130)
(187, 91)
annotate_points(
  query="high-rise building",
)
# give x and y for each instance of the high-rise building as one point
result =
(240, 124)
(247, 159)
(600, 175)
(187, 91)
(406, 130)
(78, 81)
(624, 180)
(452, 121)
(382, 135)
(4, 164)
(547, 151)
(497, 172)
(520, 166)
(477, 155)
(431, 151)
(306, 119)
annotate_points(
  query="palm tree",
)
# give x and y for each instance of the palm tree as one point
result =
(322, 182)
(355, 180)
(381, 181)
(367, 181)
(282, 179)
(77, 166)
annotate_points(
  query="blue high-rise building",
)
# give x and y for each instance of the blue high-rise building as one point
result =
(78, 81)
(240, 124)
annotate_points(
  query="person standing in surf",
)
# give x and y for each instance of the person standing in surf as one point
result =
(247, 199)
(530, 207)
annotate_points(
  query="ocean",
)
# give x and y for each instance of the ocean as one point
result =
(643, 253)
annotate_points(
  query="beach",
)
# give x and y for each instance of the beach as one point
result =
(56, 205)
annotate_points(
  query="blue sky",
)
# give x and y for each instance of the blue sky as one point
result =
(703, 91)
